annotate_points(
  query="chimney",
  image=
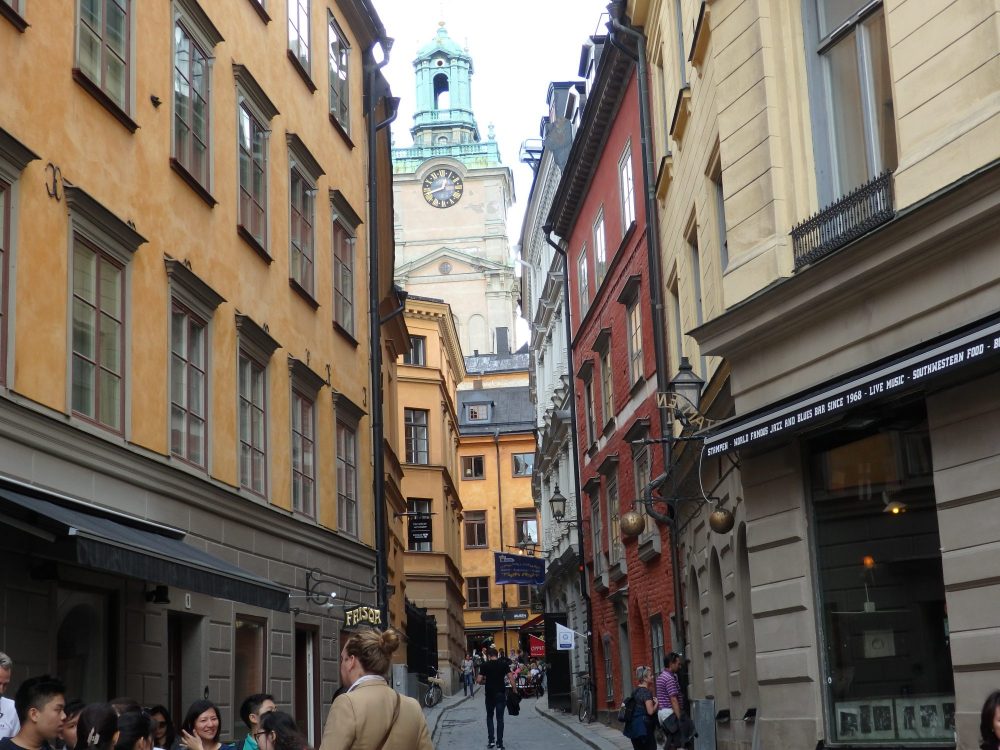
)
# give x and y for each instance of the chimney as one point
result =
(503, 345)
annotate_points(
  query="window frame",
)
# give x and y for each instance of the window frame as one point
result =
(527, 595)
(416, 355)
(609, 679)
(657, 646)
(641, 476)
(294, 25)
(469, 468)
(343, 292)
(339, 103)
(412, 436)
(99, 88)
(251, 99)
(525, 516)
(191, 320)
(600, 240)
(472, 412)
(583, 282)
(482, 588)
(607, 385)
(347, 478)
(626, 188)
(589, 411)
(597, 533)
(530, 464)
(247, 483)
(302, 230)
(633, 318)
(302, 405)
(616, 549)
(477, 524)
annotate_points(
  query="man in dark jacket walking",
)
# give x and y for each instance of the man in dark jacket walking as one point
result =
(493, 676)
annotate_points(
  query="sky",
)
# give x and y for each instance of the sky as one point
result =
(517, 46)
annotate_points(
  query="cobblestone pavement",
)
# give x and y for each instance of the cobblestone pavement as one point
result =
(464, 726)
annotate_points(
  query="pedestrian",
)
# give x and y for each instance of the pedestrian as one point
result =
(370, 714)
(97, 727)
(494, 678)
(135, 731)
(67, 734)
(670, 700)
(468, 667)
(202, 726)
(640, 722)
(9, 724)
(40, 705)
(278, 731)
(164, 733)
(251, 711)
(989, 723)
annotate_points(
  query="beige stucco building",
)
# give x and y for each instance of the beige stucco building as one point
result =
(184, 366)
(826, 177)
(428, 377)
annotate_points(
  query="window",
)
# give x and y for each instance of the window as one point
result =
(526, 526)
(104, 47)
(343, 276)
(298, 32)
(475, 528)
(607, 385)
(635, 342)
(627, 187)
(422, 511)
(98, 335)
(640, 473)
(4, 257)
(417, 353)
(656, 642)
(609, 680)
(584, 283)
(347, 478)
(694, 258)
(527, 596)
(675, 309)
(588, 397)
(192, 87)
(249, 655)
(473, 467)
(188, 386)
(880, 583)
(597, 533)
(339, 53)
(477, 412)
(859, 108)
(524, 463)
(715, 176)
(600, 251)
(479, 592)
(303, 456)
(681, 51)
(302, 216)
(415, 425)
(253, 424)
(615, 550)
(254, 113)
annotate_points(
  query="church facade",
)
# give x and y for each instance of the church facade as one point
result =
(451, 197)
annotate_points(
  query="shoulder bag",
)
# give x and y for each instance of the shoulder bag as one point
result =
(392, 723)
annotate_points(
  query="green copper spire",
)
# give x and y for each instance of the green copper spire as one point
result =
(443, 121)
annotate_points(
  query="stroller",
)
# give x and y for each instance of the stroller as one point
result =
(530, 685)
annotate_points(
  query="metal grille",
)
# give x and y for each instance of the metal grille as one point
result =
(854, 215)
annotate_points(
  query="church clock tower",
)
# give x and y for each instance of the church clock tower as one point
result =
(452, 194)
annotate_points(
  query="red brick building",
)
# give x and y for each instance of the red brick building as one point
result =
(598, 212)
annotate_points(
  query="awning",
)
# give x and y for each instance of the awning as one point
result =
(960, 352)
(535, 622)
(102, 539)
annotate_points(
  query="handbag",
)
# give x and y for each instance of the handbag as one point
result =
(392, 724)
(513, 703)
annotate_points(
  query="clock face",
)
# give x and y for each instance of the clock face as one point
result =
(443, 187)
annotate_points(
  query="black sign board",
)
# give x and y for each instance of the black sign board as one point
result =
(901, 374)
(420, 529)
(496, 615)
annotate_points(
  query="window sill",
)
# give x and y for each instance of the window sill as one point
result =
(303, 73)
(103, 99)
(637, 385)
(253, 243)
(192, 182)
(473, 479)
(13, 16)
(260, 11)
(609, 427)
(342, 130)
(601, 583)
(592, 450)
(649, 544)
(481, 546)
(345, 333)
(618, 570)
(304, 294)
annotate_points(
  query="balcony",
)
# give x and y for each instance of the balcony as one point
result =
(857, 213)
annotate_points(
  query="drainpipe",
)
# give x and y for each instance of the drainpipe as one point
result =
(374, 329)
(503, 588)
(655, 284)
(584, 588)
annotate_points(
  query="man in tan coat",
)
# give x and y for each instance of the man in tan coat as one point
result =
(370, 715)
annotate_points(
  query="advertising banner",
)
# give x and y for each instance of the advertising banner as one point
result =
(536, 647)
(524, 570)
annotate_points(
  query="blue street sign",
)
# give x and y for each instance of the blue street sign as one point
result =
(520, 569)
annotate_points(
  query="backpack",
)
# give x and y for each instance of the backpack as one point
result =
(626, 709)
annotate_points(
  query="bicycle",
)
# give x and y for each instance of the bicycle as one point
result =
(434, 690)
(585, 710)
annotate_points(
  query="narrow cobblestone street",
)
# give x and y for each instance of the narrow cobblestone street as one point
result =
(464, 726)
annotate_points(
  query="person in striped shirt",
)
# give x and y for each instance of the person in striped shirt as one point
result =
(668, 689)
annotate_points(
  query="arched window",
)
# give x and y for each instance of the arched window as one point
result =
(477, 334)
(696, 648)
(442, 92)
(748, 646)
(720, 645)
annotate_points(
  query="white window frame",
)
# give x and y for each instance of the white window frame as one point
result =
(347, 478)
(600, 250)
(583, 282)
(296, 37)
(337, 43)
(626, 187)
(250, 97)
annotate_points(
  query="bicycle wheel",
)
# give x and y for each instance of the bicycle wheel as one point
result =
(430, 698)
(583, 712)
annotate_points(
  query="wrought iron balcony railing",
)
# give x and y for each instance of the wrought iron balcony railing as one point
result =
(854, 215)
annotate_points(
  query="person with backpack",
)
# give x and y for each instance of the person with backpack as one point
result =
(640, 712)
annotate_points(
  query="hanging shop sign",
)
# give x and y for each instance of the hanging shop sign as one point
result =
(523, 570)
(362, 616)
(904, 373)
(536, 647)
(419, 529)
(497, 615)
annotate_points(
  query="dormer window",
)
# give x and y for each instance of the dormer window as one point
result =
(477, 412)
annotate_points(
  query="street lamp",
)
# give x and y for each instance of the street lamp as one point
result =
(687, 384)
(558, 504)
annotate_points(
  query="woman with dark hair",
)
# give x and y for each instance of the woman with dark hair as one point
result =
(989, 723)
(135, 731)
(201, 727)
(96, 728)
(164, 733)
(278, 731)
(68, 732)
